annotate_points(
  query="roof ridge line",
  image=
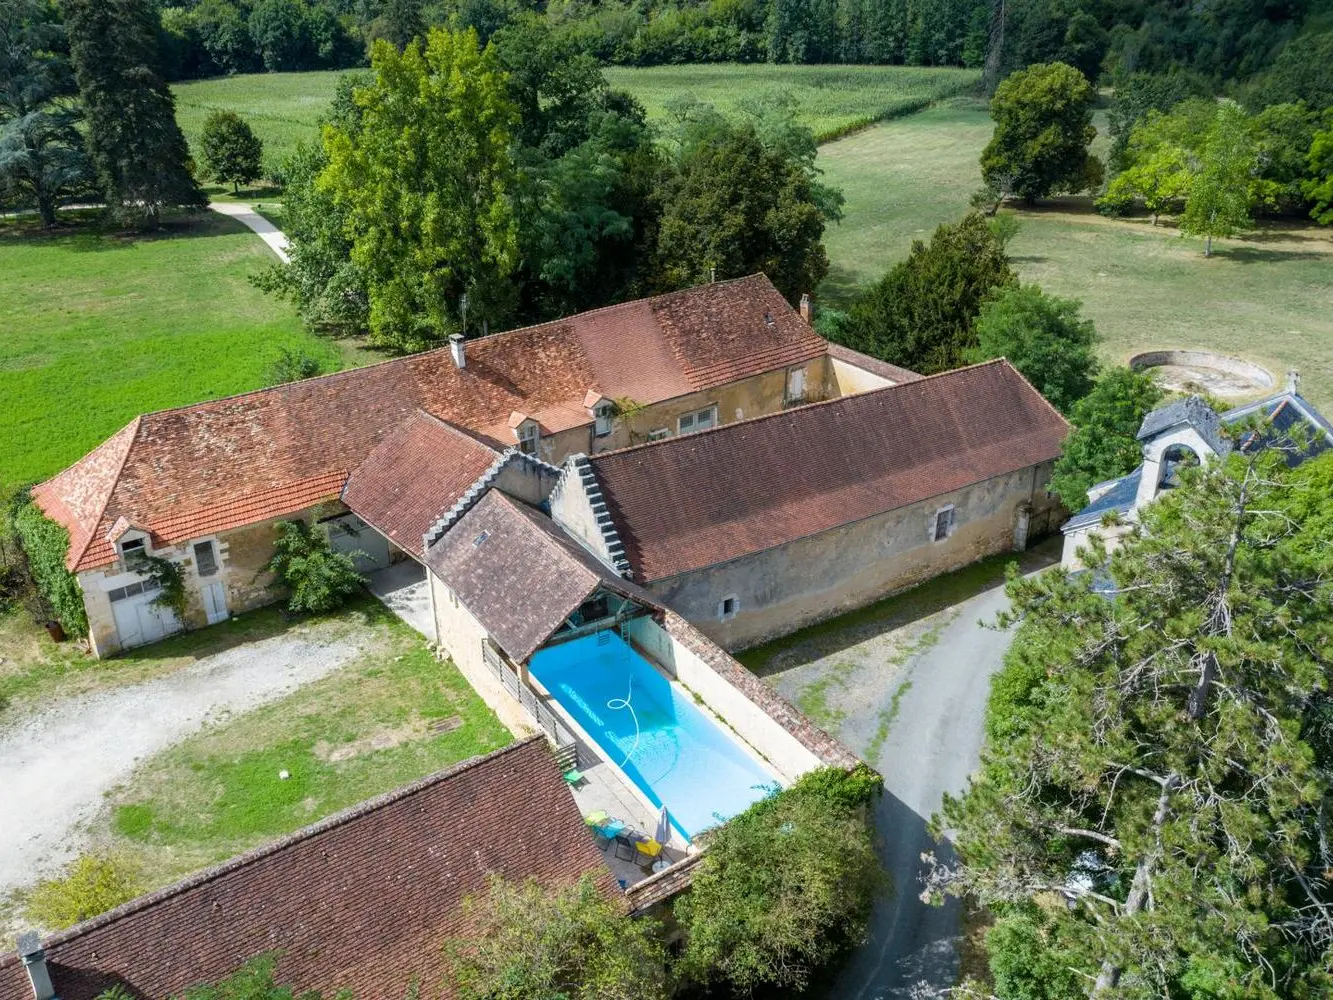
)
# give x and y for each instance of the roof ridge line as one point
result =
(340, 818)
(748, 421)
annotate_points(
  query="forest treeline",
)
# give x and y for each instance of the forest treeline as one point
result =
(1262, 53)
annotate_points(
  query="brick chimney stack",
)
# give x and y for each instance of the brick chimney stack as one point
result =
(807, 312)
(456, 349)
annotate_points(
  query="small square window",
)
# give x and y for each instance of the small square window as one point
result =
(659, 433)
(134, 551)
(602, 415)
(701, 420)
(529, 434)
(728, 607)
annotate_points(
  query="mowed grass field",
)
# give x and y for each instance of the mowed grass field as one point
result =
(285, 107)
(99, 328)
(1267, 297)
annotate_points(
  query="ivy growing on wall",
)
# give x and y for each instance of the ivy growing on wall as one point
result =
(171, 580)
(47, 544)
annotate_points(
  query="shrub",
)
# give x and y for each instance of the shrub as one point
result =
(317, 578)
(785, 887)
(46, 545)
(291, 365)
(527, 942)
(231, 151)
(89, 885)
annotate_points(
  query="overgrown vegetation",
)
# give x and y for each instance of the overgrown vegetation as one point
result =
(170, 579)
(89, 885)
(531, 942)
(316, 578)
(785, 887)
(46, 545)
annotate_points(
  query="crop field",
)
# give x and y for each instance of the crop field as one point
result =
(1267, 297)
(102, 327)
(285, 107)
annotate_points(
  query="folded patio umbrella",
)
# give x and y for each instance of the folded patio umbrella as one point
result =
(663, 832)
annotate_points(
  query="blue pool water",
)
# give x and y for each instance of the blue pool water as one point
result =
(676, 755)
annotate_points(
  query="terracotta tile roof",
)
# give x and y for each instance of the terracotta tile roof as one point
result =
(518, 573)
(413, 476)
(231, 460)
(701, 499)
(363, 900)
(875, 366)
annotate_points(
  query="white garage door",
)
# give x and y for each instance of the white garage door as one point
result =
(138, 620)
(349, 533)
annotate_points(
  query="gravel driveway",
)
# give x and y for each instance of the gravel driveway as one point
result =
(910, 696)
(57, 764)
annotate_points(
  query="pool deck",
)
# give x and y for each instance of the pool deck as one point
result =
(605, 791)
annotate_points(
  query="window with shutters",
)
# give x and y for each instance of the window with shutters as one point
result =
(796, 385)
(529, 436)
(205, 558)
(700, 420)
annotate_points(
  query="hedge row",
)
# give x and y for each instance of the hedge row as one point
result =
(46, 544)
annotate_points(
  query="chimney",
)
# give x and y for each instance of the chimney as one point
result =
(1293, 381)
(456, 349)
(806, 312)
(34, 960)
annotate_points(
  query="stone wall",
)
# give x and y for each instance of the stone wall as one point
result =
(789, 586)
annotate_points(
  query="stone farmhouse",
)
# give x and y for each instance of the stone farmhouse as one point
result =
(1188, 431)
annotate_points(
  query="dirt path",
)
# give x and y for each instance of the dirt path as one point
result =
(246, 215)
(57, 765)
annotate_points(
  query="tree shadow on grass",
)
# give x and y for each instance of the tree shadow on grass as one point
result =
(904, 608)
(90, 233)
(1262, 255)
(840, 287)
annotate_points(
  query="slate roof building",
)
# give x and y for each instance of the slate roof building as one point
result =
(1189, 431)
(364, 900)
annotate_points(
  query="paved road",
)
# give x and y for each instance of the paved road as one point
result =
(57, 765)
(933, 746)
(267, 231)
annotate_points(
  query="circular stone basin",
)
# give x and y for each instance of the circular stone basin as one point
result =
(1203, 371)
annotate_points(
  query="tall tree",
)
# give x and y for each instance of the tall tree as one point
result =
(1044, 337)
(1104, 443)
(922, 314)
(1043, 126)
(41, 150)
(399, 22)
(1149, 754)
(136, 146)
(427, 181)
(1319, 187)
(1219, 197)
(230, 150)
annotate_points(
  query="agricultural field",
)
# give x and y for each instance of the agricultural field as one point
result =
(1267, 297)
(284, 107)
(101, 327)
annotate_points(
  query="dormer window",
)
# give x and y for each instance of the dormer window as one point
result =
(529, 437)
(134, 550)
(603, 417)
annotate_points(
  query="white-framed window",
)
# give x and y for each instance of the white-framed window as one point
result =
(133, 590)
(205, 558)
(134, 550)
(699, 420)
(942, 523)
(796, 384)
(529, 437)
(658, 433)
(728, 608)
(603, 417)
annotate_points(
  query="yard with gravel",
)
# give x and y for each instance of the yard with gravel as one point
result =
(174, 758)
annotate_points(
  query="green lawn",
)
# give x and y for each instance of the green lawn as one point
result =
(101, 327)
(284, 107)
(390, 716)
(1267, 297)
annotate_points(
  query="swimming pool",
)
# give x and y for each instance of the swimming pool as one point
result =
(652, 731)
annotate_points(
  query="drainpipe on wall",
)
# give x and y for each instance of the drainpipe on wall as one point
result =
(34, 960)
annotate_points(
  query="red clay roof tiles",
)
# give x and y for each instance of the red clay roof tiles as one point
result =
(413, 476)
(701, 499)
(231, 460)
(363, 900)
